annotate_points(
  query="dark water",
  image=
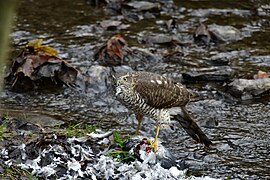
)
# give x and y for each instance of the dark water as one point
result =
(242, 133)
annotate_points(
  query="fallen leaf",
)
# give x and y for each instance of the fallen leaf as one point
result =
(37, 67)
(113, 51)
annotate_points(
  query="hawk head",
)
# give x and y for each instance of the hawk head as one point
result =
(124, 84)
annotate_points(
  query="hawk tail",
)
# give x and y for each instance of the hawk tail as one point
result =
(191, 127)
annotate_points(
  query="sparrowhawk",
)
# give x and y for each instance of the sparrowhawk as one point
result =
(160, 98)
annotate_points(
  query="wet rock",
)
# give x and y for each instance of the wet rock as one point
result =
(44, 120)
(109, 24)
(174, 56)
(2, 167)
(131, 16)
(263, 10)
(204, 12)
(137, 10)
(216, 33)
(171, 24)
(211, 76)
(86, 31)
(112, 25)
(38, 67)
(137, 59)
(202, 35)
(144, 6)
(98, 79)
(260, 60)
(122, 69)
(212, 158)
(174, 53)
(168, 25)
(224, 58)
(224, 33)
(20, 126)
(223, 147)
(95, 2)
(248, 88)
(113, 7)
(160, 39)
(210, 123)
(195, 165)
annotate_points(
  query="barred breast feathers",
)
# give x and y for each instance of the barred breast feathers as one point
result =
(134, 102)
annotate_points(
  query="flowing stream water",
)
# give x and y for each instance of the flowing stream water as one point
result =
(240, 130)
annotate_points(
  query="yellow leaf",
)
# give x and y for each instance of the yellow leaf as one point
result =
(36, 43)
(48, 50)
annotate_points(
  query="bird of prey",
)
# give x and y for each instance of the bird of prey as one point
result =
(158, 97)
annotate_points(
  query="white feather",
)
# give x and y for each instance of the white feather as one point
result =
(159, 81)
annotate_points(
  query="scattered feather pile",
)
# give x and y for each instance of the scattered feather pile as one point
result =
(78, 158)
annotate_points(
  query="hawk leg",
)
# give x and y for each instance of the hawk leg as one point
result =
(139, 118)
(154, 143)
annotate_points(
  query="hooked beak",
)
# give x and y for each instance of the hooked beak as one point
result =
(118, 87)
(118, 90)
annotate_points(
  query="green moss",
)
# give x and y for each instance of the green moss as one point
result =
(15, 172)
(2, 129)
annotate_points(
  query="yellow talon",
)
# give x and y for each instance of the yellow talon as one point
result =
(154, 143)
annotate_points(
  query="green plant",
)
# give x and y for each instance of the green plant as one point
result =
(118, 139)
(123, 156)
(119, 154)
(2, 129)
(15, 172)
(5, 117)
(78, 130)
(90, 128)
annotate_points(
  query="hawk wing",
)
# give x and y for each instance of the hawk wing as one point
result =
(159, 91)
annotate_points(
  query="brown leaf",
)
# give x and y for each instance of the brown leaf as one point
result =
(115, 46)
(113, 51)
(37, 68)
